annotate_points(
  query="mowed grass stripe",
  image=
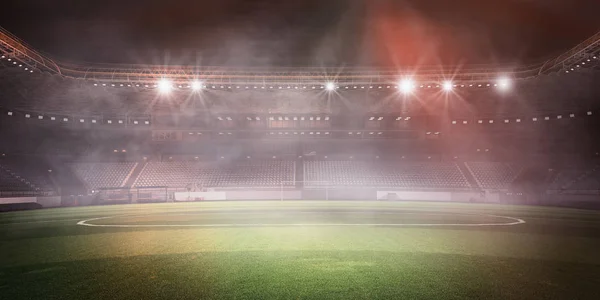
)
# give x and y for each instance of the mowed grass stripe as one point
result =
(302, 275)
(554, 257)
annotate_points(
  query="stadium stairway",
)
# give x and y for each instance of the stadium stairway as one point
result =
(16, 178)
(10, 182)
(135, 172)
(590, 173)
(299, 174)
(33, 173)
(468, 175)
(531, 179)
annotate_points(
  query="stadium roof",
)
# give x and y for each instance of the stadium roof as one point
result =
(240, 33)
(429, 42)
(26, 57)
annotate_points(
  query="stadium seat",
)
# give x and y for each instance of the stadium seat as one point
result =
(25, 175)
(493, 175)
(243, 174)
(384, 174)
(103, 175)
(577, 178)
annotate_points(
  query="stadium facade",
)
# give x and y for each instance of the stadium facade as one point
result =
(155, 133)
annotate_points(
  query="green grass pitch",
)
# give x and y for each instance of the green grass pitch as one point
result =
(300, 250)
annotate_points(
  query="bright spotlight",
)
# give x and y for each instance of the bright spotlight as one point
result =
(407, 86)
(165, 85)
(447, 86)
(330, 86)
(503, 83)
(196, 85)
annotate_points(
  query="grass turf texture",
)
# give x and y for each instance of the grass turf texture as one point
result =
(45, 255)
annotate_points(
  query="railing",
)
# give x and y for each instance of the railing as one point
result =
(19, 48)
(579, 50)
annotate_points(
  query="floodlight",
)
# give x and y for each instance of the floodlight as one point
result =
(503, 83)
(447, 85)
(165, 85)
(330, 86)
(407, 86)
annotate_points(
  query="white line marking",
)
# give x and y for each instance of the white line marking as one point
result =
(516, 221)
(35, 222)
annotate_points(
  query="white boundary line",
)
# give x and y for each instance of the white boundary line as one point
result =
(515, 221)
(36, 222)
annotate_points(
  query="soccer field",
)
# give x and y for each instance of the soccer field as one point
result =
(300, 250)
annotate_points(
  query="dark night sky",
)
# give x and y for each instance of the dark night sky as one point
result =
(302, 32)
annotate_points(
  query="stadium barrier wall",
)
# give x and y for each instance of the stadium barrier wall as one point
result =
(45, 202)
(372, 194)
(264, 195)
(77, 200)
(481, 197)
(18, 200)
(414, 196)
(575, 201)
(484, 197)
(339, 194)
(198, 196)
(351, 194)
(49, 201)
(239, 195)
(567, 197)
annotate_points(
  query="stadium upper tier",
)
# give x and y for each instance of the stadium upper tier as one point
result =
(47, 93)
(24, 55)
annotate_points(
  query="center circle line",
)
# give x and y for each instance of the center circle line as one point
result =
(514, 221)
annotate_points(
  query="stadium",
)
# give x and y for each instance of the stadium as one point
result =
(156, 181)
